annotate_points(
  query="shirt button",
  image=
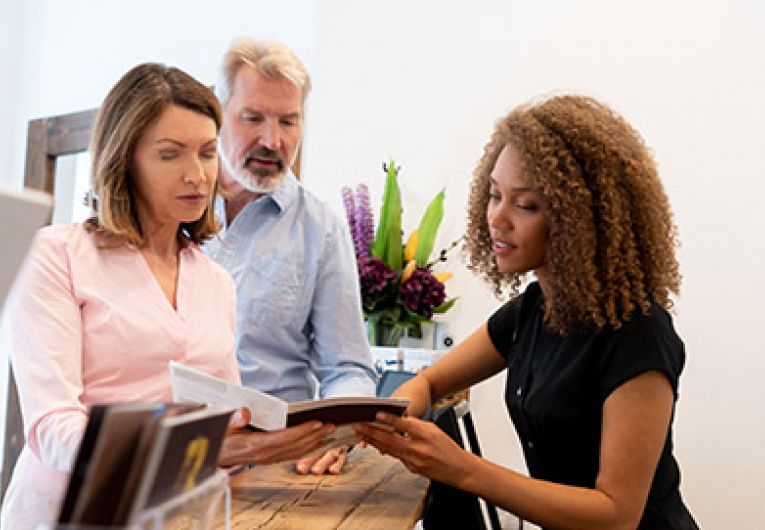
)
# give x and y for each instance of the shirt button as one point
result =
(531, 445)
(518, 392)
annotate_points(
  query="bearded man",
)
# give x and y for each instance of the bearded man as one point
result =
(300, 328)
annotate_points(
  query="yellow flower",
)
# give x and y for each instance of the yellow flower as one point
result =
(443, 277)
(411, 245)
(408, 271)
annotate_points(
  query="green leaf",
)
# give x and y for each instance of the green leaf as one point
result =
(414, 317)
(387, 243)
(429, 224)
(390, 318)
(446, 306)
(389, 315)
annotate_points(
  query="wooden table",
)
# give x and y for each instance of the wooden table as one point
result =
(373, 492)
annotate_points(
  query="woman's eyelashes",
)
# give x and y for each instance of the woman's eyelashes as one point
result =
(526, 206)
(209, 154)
(521, 202)
(167, 154)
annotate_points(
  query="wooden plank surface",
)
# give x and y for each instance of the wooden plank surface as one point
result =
(373, 492)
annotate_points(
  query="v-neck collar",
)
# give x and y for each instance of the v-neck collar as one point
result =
(180, 287)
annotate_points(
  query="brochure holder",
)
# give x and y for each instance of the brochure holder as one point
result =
(204, 507)
(196, 509)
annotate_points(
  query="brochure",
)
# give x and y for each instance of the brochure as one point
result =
(269, 412)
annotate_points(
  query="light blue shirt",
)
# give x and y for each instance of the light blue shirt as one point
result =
(298, 302)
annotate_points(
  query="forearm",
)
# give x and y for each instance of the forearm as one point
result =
(417, 390)
(635, 422)
(547, 504)
(471, 361)
(347, 379)
(429, 451)
(56, 438)
(340, 355)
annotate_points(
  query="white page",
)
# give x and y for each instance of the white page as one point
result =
(194, 386)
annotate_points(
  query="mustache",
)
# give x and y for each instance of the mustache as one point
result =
(266, 153)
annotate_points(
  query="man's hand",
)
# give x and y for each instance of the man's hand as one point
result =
(242, 446)
(331, 462)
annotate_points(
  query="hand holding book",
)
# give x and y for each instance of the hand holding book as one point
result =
(329, 418)
(242, 446)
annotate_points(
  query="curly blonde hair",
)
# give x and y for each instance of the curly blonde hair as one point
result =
(612, 239)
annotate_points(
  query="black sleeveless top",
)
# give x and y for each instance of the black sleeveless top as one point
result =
(556, 387)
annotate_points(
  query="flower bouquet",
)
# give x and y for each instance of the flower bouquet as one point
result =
(399, 290)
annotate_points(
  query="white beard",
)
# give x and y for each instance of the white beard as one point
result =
(250, 181)
(256, 183)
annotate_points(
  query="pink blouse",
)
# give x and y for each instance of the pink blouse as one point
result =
(92, 325)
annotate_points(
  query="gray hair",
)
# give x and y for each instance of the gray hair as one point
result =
(273, 60)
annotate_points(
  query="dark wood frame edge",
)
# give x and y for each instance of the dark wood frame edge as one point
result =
(47, 139)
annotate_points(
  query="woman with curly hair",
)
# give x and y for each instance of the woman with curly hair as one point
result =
(566, 190)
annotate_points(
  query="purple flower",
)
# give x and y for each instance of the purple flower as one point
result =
(363, 229)
(400, 296)
(360, 222)
(375, 277)
(422, 293)
(350, 208)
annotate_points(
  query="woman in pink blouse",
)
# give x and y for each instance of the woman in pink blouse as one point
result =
(100, 308)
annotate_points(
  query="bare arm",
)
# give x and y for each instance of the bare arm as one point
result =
(474, 359)
(470, 362)
(636, 419)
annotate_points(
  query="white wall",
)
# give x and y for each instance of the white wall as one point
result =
(10, 35)
(425, 81)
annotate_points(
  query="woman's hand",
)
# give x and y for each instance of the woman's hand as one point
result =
(243, 446)
(421, 446)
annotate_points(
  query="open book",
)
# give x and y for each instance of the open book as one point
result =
(270, 413)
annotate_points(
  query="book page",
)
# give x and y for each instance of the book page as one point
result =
(194, 386)
(268, 412)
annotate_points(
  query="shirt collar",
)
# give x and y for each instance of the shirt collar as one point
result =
(283, 196)
(285, 193)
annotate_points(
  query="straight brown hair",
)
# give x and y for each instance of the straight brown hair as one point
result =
(130, 107)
